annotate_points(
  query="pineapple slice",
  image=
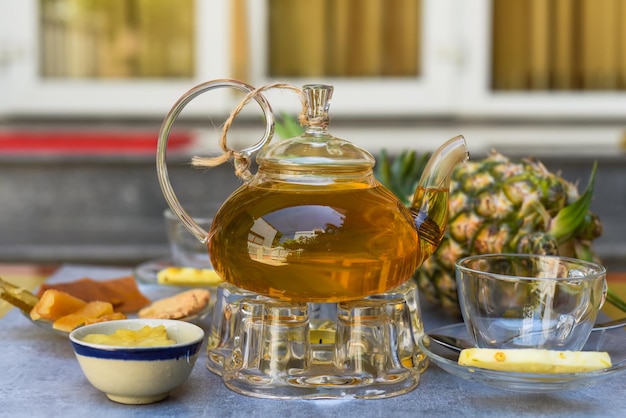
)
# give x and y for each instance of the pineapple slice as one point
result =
(529, 360)
(188, 276)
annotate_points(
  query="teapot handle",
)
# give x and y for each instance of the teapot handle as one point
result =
(166, 127)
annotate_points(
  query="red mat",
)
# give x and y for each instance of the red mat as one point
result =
(87, 141)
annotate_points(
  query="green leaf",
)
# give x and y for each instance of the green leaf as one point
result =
(615, 300)
(572, 217)
(383, 171)
(402, 173)
(287, 127)
(407, 159)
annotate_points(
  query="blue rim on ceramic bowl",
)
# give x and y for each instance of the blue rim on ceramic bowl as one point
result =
(175, 351)
(138, 353)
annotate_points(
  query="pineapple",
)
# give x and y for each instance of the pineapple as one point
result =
(529, 360)
(498, 206)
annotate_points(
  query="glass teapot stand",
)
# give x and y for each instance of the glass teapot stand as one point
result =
(283, 350)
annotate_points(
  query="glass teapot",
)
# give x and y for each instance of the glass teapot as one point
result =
(313, 224)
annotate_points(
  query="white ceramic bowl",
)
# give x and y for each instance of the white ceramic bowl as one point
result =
(138, 375)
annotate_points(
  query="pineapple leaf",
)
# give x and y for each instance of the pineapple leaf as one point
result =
(386, 173)
(414, 172)
(287, 127)
(405, 163)
(572, 217)
(400, 168)
(383, 168)
(402, 173)
(615, 300)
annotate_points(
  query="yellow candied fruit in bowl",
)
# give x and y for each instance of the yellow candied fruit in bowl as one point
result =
(145, 337)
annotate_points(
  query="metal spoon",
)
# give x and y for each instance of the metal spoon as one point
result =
(459, 344)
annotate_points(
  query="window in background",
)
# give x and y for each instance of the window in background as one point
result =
(344, 38)
(559, 45)
(113, 39)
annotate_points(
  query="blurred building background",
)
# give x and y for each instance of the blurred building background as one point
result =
(85, 85)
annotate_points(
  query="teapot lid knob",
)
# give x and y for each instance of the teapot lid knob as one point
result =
(318, 98)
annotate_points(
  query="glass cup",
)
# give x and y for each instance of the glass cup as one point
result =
(530, 301)
(186, 250)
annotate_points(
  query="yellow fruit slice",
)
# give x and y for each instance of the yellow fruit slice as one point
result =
(106, 317)
(54, 304)
(188, 276)
(75, 319)
(528, 360)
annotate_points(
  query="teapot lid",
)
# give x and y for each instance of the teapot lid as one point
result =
(315, 147)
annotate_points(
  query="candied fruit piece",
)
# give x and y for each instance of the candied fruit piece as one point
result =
(55, 304)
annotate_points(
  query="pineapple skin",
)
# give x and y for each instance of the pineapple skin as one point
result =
(501, 206)
(529, 360)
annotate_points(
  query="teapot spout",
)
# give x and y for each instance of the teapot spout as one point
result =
(429, 206)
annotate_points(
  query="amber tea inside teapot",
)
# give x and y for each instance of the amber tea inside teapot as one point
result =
(313, 224)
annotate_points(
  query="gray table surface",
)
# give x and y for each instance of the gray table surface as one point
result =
(39, 376)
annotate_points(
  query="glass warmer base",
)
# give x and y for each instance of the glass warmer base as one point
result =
(283, 350)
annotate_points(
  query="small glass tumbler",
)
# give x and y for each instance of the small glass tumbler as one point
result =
(185, 249)
(530, 301)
